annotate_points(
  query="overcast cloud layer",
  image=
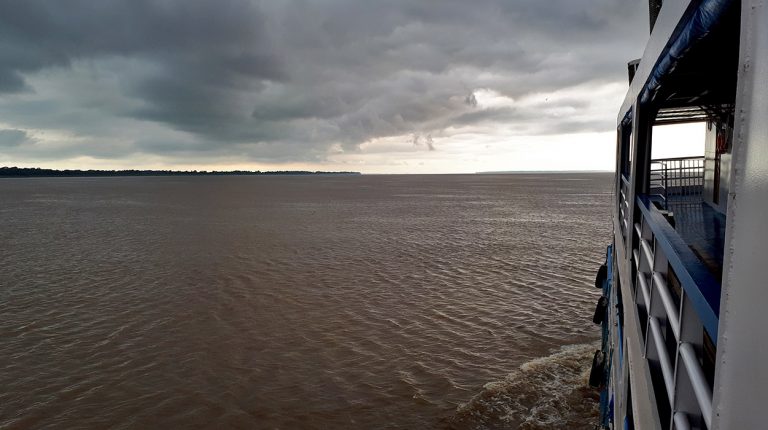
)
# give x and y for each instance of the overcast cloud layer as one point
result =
(308, 82)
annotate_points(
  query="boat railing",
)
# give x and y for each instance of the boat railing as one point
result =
(624, 206)
(679, 178)
(677, 300)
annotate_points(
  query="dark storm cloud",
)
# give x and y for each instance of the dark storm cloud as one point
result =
(286, 80)
(13, 137)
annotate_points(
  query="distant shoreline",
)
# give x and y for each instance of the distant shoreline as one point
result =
(533, 172)
(35, 172)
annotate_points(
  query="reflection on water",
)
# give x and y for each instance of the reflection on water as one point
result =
(290, 302)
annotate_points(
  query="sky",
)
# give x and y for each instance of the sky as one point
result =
(395, 86)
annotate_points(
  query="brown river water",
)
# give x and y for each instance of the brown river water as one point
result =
(370, 302)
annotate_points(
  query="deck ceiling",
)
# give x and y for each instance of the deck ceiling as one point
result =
(703, 82)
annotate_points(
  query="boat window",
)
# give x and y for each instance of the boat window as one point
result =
(626, 148)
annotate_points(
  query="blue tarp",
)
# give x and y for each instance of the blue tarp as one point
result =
(697, 23)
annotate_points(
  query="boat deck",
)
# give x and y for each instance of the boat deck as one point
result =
(703, 229)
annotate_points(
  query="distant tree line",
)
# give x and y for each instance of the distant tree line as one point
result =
(28, 172)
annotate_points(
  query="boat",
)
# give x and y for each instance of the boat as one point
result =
(684, 305)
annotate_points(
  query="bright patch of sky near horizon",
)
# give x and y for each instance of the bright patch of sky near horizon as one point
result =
(376, 87)
(679, 140)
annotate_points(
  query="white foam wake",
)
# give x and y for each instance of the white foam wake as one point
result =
(546, 393)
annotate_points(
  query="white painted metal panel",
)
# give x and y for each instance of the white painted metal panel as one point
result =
(741, 376)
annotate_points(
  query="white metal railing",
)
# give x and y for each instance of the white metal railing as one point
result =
(700, 387)
(644, 288)
(669, 306)
(680, 178)
(679, 363)
(624, 206)
(667, 371)
(681, 421)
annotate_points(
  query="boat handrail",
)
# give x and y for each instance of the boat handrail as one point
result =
(699, 285)
(701, 389)
(657, 245)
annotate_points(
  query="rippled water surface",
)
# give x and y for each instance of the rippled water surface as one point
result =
(299, 302)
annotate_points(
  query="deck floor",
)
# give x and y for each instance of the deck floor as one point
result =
(703, 229)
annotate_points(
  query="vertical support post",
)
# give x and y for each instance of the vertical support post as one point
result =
(666, 185)
(741, 376)
(639, 172)
(691, 332)
(641, 167)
